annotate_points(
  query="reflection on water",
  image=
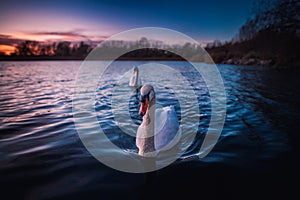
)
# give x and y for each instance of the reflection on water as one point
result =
(39, 142)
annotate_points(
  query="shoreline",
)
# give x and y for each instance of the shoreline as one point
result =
(230, 61)
(233, 61)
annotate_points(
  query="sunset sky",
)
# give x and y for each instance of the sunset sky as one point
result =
(58, 20)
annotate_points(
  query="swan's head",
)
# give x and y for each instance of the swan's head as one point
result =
(135, 69)
(147, 98)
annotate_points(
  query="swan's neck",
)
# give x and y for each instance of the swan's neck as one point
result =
(149, 127)
(149, 119)
(136, 74)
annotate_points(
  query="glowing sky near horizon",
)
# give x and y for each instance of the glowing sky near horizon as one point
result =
(81, 20)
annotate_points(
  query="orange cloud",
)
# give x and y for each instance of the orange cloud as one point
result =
(8, 42)
(71, 36)
(7, 49)
(51, 36)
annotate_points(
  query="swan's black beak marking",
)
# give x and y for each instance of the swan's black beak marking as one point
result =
(144, 97)
(144, 104)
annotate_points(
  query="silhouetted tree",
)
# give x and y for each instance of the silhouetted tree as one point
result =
(277, 15)
(28, 48)
(63, 49)
(144, 42)
(83, 49)
(215, 43)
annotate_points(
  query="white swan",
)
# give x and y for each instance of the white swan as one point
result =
(159, 130)
(134, 79)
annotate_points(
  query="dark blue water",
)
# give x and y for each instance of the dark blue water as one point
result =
(42, 157)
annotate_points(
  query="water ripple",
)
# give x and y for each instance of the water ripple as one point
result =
(38, 135)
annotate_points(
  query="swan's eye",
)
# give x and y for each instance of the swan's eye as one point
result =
(143, 98)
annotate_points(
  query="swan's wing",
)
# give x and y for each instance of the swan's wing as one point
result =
(167, 132)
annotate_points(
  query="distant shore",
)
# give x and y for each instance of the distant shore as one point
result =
(224, 60)
(247, 61)
(232, 61)
(266, 48)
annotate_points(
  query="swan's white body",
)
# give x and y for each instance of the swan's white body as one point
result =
(167, 132)
(134, 80)
(161, 135)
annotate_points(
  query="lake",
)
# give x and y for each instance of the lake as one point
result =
(42, 156)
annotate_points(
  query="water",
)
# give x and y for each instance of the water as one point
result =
(42, 157)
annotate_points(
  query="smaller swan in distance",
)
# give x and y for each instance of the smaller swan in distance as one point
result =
(160, 129)
(135, 81)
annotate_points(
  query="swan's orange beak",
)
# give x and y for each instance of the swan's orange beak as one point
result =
(143, 108)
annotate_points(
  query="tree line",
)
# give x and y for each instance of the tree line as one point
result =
(68, 50)
(35, 48)
(270, 36)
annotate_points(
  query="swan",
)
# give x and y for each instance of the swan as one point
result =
(134, 80)
(160, 129)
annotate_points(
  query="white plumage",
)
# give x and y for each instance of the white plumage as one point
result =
(167, 132)
(134, 80)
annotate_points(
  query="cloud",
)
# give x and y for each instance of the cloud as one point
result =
(46, 36)
(9, 40)
(65, 34)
